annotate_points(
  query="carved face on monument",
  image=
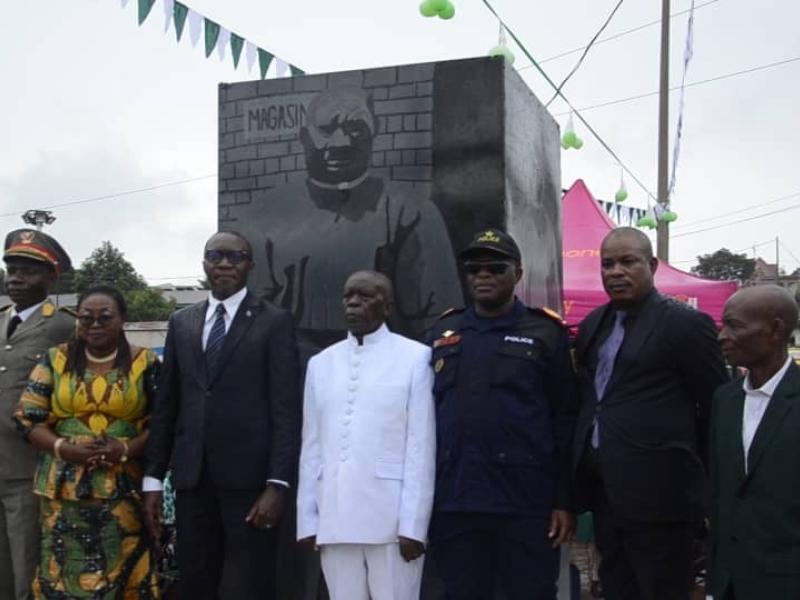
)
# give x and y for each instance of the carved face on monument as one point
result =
(338, 136)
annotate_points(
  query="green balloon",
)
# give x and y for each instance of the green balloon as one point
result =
(564, 145)
(503, 51)
(438, 5)
(569, 138)
(448, 12)
(669, 216)
(578, 143)
(646, 222)
(621, 195)
(426, 9)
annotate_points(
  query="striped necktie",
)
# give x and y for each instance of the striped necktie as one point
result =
(216, 338)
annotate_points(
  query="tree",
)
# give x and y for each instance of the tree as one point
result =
(724, 264)
(148, 305)
(108, 266)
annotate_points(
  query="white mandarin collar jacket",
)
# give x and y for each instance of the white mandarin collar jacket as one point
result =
(369, 442)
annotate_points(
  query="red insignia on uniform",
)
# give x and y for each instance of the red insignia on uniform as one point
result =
(447, 341)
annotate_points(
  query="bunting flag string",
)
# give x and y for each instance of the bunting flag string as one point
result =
(215, 36)
(625, 216)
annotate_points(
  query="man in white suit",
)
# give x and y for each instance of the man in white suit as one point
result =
(367, 461)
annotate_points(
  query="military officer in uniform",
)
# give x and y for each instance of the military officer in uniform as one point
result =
(505, 410)
(27, 328)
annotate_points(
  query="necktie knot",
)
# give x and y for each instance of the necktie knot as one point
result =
(220, 310)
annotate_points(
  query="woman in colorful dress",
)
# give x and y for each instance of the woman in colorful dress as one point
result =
(86, 408)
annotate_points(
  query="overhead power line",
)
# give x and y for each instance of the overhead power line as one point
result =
(117, 194)
(617, 35)
(585, 52)
(739, 251)
(785, 247)
(568, 103)
(761, 216)
(739, 211)
(688, 85)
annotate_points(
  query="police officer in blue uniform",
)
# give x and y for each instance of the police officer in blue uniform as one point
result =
(505, 414)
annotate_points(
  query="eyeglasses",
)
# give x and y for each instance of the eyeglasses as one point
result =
(102, 320)
(234, 256)
(493, 268)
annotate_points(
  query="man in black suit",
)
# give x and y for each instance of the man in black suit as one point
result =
(755, 452)
(647, 368)
(228, 413)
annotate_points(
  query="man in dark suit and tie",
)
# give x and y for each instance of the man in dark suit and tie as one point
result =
(755, 452)
(228, 415)
(647, 368)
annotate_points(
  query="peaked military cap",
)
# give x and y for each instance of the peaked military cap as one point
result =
(494, 240)
(36, 245)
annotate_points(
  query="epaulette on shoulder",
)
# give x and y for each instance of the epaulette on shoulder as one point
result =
(549, 312)
(5, 308)
(450, 311)
(71, 312)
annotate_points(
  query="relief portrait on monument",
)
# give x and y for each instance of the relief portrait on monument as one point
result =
(310, 232)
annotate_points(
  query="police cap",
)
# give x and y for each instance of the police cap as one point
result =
(493, 240)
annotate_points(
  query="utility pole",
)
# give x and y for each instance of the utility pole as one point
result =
(662, 229)
(777, 260)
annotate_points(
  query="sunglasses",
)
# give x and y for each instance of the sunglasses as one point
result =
(493, 268)
(102, 320)
(234, 256)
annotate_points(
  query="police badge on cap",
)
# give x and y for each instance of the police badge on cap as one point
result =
(494, 240)
(37, 246)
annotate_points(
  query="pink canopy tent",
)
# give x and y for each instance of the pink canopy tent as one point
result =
(585, 225)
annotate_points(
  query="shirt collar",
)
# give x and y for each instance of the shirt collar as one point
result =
(24, 314)
(769, 387)
(231, 303)
(371, 339)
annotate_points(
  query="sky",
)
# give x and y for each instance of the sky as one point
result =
(96, 106)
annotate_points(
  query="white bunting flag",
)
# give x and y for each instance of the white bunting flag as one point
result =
(195, 26)
(281, 67)
(222, 42)
(169, 9)
(250, 52)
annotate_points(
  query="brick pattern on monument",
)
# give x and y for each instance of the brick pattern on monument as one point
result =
(402, 148)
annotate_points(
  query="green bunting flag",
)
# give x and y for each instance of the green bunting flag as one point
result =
(237, 43)
(264, 60)
(213, 38)
(144, 9)
(212, 33)
(179, 13)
